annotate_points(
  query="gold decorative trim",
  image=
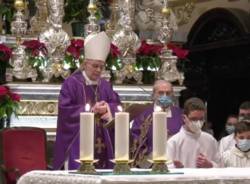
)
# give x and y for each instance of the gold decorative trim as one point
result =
(38, 107)
(50, 107)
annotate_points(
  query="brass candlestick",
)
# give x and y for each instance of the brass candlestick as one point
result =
(159, 166)
(87, 167)
(121, 166)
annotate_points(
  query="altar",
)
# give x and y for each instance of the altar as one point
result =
(176, 176)
(39, 102)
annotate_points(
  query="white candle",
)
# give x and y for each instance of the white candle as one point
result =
(121, 136)
(87, 134)
(91, 2)
(159, 135)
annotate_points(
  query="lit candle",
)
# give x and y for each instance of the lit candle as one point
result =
(87, 134)
(121, 135)
(159, 134)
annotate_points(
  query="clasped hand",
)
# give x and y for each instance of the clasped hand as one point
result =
(101, 108)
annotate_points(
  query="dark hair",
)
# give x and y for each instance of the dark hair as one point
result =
(193, 104)
(245, 105)
(232, 116)
(241, 127)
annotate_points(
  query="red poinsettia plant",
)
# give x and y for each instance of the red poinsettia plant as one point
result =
(113, 58)
(148, 54)
(37, 52)
(5, 55)
(74, 53)
(9, 102)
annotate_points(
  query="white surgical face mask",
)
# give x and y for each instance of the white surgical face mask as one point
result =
(244, 144)
(195, 126)
(230, 129)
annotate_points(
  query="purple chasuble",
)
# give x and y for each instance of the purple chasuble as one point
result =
(142, 133)
(73, 96)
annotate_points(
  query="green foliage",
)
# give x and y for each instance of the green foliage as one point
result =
(7, 107)
(144, 62)
(76, 10)
(7, 9)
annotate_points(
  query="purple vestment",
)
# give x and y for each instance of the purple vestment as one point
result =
(73, 96)
(142, 132)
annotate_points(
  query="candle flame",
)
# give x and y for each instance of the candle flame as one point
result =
(119, 108)
(158, 109)
(87, 107)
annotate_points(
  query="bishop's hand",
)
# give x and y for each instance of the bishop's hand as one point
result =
(100, 107)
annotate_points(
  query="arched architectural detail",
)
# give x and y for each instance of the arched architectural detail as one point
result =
(217, 25)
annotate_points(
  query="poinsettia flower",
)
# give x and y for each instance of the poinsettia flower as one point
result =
(3, 90)
(149, 49)
(5, 53)
(78, 43)
(114, 50)
(15, 97)
(35, 46)
(75, 52)
(179, 52)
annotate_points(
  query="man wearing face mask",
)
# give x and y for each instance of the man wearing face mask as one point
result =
(191, 147)
(228, 141)
(239, 154)
(142, 125)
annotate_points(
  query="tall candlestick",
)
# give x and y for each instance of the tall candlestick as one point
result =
(159, 135)
(87, 135)
(121, 136)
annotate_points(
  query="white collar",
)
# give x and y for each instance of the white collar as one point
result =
(191, 134)
(87, 79)
(240, 153)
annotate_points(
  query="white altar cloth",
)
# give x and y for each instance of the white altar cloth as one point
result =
(189, 176)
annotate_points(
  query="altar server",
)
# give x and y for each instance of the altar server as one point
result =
(82, 87)
(227, 142)
(239, 155)
(192, 147)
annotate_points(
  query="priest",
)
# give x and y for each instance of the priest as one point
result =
(142, 125)
(85, 86)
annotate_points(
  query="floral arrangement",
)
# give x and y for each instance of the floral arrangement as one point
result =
(148, 56)
(74, 53)
(5, 55)
(113, 59)
(8, 102)
(37, 53)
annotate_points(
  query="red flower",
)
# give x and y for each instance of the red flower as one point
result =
(179, 52)
(73, 51)
(78, 43)
(75, 48)
(114, 50)
(149, 49)
(35, 46)
(5, 53)
(3, 90)
(15, 97)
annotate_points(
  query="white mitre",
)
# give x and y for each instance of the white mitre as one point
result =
(97, 46)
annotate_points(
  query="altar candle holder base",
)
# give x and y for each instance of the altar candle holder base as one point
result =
(87, 167)
(160, 166)
(121, 166)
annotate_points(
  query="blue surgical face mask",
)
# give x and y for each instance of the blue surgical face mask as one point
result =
(230, 129)
(244, 144)
(165, 101)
